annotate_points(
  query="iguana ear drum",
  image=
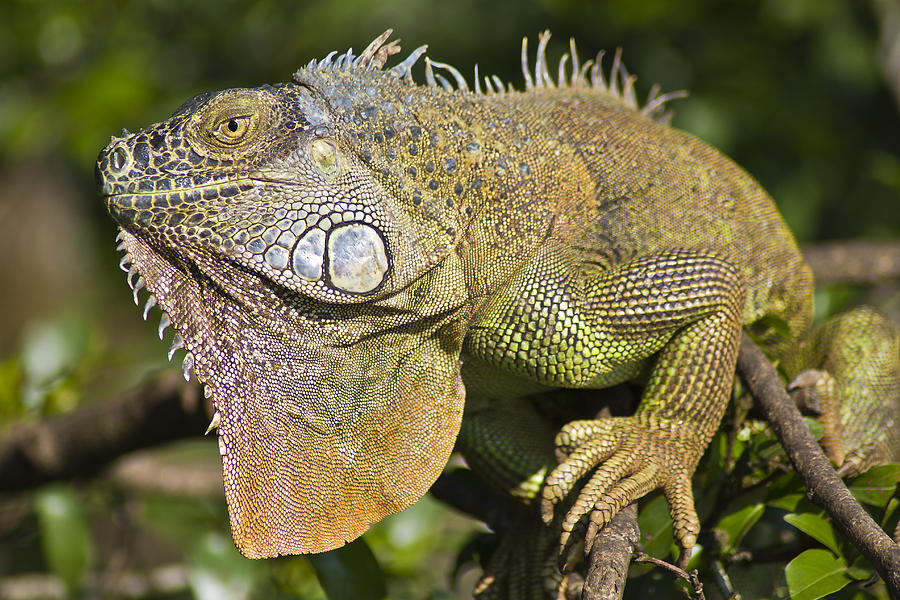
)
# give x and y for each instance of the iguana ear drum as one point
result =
(324, 155)
(356, 256)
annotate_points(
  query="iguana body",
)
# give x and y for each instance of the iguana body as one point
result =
(348, 256)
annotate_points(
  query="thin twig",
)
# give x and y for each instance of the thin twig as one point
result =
(692, 577)
(854, 262)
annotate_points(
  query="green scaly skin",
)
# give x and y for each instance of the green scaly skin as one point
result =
(349, 257)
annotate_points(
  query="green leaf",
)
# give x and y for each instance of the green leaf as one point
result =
(889, 512)
(787, 502)
(10, 389)
(860, 569)
(216, 571)
(877, 485)
(732, 528)
(816, 428)
(350, 572)
(65, 536)
(815, 527)
(293, 577)
(655, 524)
(815, 574)
(785, 491)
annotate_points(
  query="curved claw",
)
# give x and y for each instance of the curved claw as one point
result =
(620, 496)
(632, 458)
(617, 483)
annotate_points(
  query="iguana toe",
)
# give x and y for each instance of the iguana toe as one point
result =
(623, 493)
(685, 522)
(630, 459)
(575, 461)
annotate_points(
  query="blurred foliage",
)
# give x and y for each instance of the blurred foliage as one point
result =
(797, 91)
(65, 535)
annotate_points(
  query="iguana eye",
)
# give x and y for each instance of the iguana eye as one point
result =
(233, 130)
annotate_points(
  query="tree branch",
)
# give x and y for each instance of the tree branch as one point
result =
(610, 556)
(162, 409)
(854, 262)
(822, 482)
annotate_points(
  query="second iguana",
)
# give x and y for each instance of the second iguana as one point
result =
(363, 269)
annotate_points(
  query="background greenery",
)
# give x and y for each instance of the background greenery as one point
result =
(800, 92)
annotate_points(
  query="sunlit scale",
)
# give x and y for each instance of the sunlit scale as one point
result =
(309, 254)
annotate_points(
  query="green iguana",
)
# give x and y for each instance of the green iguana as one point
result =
(365, 271)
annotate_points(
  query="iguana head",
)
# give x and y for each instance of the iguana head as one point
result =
(319, 309)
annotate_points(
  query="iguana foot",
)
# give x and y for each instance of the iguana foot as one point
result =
(818, 391)
(632, 457)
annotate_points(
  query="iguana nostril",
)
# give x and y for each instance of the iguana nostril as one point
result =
(119, 158)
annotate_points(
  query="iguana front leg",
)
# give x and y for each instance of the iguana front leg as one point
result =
(682, 405)
(657, 447)
(679, 312)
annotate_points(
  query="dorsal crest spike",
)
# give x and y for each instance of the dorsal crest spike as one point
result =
(541, 72)
(655, 105)
(597, 80)
(582, 74)
(617, 82)
(326, 62)
(561, 74)
(614, 73)
(529, 82)
(345, 60)
(404, 69)
(376, 53)
(457, 76)
(429, 74)
(577, 75)
(444, 83)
